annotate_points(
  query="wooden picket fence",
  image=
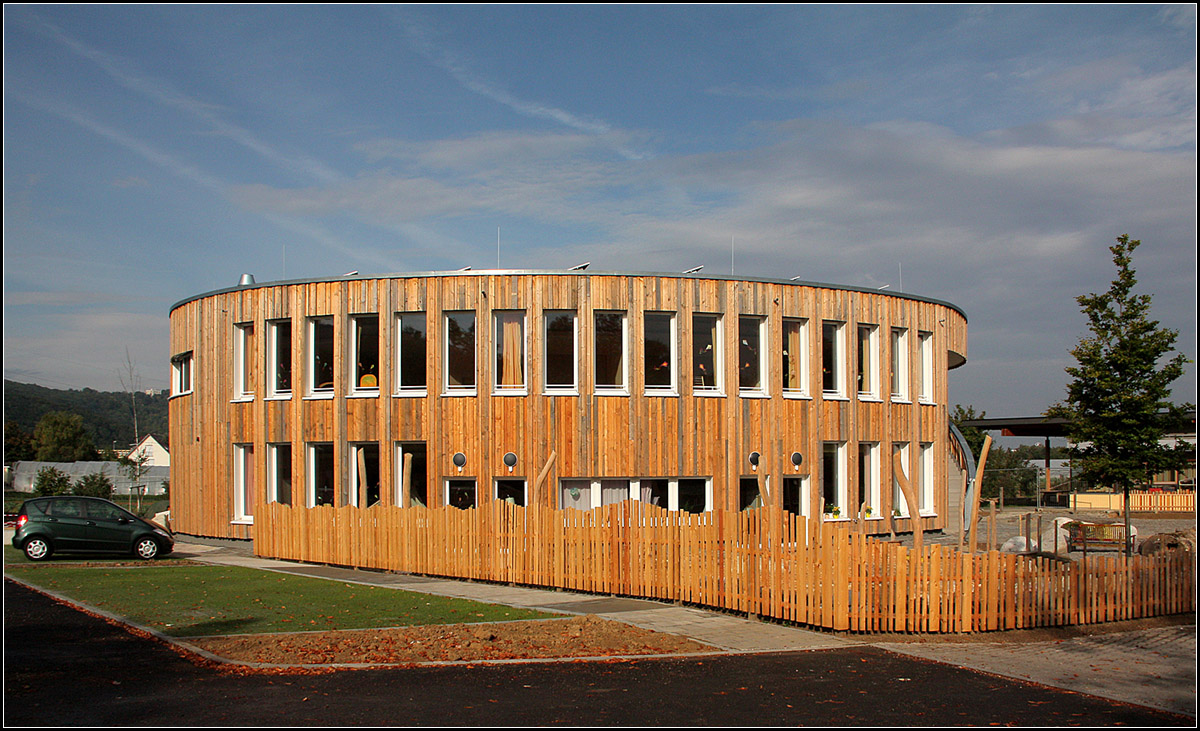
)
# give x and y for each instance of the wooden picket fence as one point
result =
(1161, 502)
(764, 562)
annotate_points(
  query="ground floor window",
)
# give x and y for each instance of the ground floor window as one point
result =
(833, 478)
(511, 491)
(411, 475)
(460, 493)
(688, 494)
(749, 496)
(795, 495)
(321, 485)
(364, 475)
(279, 473)
(244, 483)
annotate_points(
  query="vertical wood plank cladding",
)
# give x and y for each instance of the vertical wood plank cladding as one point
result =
(590, 435)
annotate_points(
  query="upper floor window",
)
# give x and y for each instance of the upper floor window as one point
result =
(925, 351)
(899, 364)
(279, 334)
(795, 357)
(752, 364)
(509, 336)
(243, 356)
(562, 351)
(706, 354)
(181, 374)
(659, 356)
(410, 352)
(365, 353)
(460, 352)
(320, 355)
(833, 358)
(868, 361)
(610, 349)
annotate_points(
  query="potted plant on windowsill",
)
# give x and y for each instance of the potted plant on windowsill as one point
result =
(833, 510)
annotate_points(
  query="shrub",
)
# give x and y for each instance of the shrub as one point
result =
(52, 481)
(96, 484)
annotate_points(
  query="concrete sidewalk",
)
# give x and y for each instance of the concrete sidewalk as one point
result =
(1154, 667)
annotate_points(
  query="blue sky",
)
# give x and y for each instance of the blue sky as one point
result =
(986, 156)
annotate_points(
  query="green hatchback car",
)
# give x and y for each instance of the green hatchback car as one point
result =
(69, 524)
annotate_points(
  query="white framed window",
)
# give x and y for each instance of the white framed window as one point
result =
(508, 334)
(795, 357)
(364, 354)
(925, 351)
(243, 361)
(708, 345)
(899, 503)
(660, 353)
(364, 474)
(868, 479)
(833, 359)
(611, 345)
(925, 488)
(796, 498)
(320, 357)
(752, 355)
(868, 362)
(459, 354)
(561, 352)
(411, 475)
(181, 374)
(899, 362)
(279, 359)
(460, 493)
(510, 490)
(411, 342)
(686, 494)
(244, 483)
(279, 473)
(833, 479)
(321, 486)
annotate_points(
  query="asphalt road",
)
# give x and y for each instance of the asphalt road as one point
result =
(67, 668)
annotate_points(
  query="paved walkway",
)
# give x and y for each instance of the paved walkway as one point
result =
(1150, 667)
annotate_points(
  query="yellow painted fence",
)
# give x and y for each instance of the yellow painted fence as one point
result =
(765, 562)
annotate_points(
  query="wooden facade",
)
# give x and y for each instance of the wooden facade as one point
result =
(658, 432)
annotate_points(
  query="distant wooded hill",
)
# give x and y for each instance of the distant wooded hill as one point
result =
(108, 415)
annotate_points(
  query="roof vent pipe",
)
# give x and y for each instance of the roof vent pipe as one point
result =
(246, 280)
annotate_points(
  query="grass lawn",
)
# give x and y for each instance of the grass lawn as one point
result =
(184, 600)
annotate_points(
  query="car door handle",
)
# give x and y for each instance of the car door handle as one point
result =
(89, 522)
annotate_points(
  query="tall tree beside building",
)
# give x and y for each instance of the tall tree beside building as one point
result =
(1119, 397)
(61, 437)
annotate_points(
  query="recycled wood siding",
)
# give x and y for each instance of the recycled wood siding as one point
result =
(590, 435)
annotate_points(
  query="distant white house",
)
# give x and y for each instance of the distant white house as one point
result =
(156, 454)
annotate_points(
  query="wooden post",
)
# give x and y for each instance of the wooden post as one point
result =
(910, 497)
(541, 478)
(987, 445)
(406, 481)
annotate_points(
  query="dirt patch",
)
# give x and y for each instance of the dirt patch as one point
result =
(588, 636)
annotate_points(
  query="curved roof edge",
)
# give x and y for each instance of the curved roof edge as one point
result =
(566, 272)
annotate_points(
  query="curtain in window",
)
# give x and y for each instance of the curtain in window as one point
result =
(792, 356)
(512, 345)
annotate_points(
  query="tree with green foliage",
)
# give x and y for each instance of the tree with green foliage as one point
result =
(973, 434)
(52, 481)
(1118, 398)
(95, 484)
(61, 437)
(18, 443)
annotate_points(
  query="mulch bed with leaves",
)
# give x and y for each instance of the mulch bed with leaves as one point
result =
(587, 636)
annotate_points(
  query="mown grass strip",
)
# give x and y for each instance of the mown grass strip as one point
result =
(187, 600)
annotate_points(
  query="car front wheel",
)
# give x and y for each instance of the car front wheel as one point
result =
(146, 548)
(37, 549)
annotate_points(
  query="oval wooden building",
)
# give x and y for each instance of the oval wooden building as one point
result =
(568, 389)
